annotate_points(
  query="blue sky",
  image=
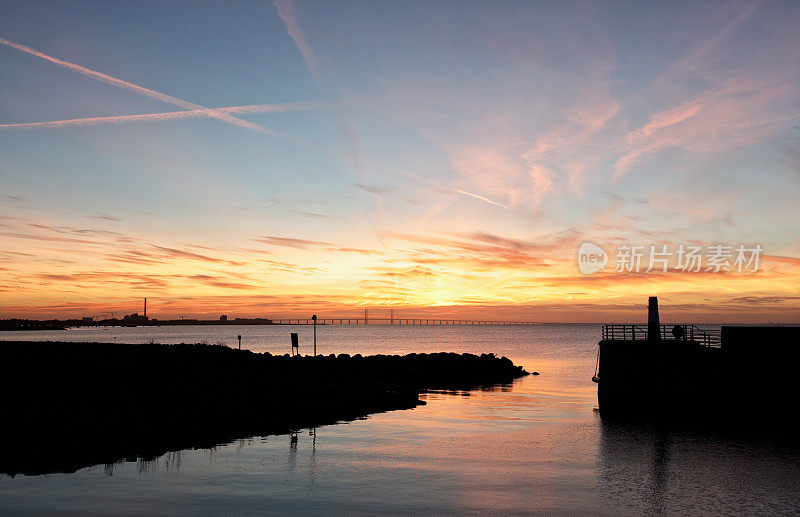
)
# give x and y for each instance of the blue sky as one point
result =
(404, 154)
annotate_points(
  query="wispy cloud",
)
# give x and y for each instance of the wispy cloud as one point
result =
(135, 280)
(312, 214)
(480, 250)
(740, 112)
(215, 281)
(373, 189)
(173, 252)
(359, 251)
(51, 238)
(103, 217)
(720, 107)
(289, 242)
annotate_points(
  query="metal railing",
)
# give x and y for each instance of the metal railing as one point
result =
(638, 332)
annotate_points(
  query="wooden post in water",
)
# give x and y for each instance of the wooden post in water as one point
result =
(240, 341)
(295, 344)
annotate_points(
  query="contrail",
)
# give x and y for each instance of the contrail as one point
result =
(288, 15)
(476, 196)
(171, 115)
(163, 97)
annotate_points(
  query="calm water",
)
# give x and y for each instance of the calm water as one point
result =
(534, 447)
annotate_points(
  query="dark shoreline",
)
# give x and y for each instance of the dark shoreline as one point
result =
(16, 324)
(81, 404)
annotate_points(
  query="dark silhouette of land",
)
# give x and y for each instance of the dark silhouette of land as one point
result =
(137, 320)
(72, 405)
(131, 320)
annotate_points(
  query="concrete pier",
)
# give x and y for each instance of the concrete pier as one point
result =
(743, 373)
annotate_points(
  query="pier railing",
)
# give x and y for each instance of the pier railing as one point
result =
(634, 332)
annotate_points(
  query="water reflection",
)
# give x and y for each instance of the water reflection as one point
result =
(292, 459)
(169, 462)
(656, 469)
(309, 472)
(312, 462)
(534, 446)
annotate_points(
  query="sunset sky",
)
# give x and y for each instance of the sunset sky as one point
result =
(263, 159)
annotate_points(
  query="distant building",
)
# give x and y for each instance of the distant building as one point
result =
(224, 317)
(135, 318)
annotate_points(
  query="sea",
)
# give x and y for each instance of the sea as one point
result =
(537, 446)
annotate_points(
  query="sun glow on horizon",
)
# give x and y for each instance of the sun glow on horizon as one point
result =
(451, 168)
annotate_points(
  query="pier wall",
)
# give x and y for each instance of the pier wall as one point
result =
(663, 377)
(751, 380)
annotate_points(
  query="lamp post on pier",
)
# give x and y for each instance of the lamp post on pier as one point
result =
(314, 319)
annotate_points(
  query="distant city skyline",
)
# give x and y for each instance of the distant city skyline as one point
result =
(280, 159)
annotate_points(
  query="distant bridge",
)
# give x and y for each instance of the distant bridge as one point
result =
(395, 321)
